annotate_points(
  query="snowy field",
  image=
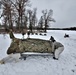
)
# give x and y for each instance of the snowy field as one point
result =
(38, 65)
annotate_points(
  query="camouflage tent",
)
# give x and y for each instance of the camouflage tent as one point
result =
(28, 45)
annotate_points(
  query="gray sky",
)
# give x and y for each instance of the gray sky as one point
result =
(64, 11)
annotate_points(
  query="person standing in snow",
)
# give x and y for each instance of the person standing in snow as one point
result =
(57, 48)
(28, 33)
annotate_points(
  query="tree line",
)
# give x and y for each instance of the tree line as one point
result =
(16, 14)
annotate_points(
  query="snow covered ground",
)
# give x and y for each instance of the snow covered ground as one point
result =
(38, 65)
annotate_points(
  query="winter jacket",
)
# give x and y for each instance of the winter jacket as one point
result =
(56, 45)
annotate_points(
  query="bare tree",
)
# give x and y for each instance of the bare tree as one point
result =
(47, 16)
(20, 6)
(7, 13)
(40, 24)
(32, 18)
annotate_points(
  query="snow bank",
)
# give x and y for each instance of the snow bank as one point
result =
(10, 58)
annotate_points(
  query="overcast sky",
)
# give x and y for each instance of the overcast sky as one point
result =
(64, 11)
